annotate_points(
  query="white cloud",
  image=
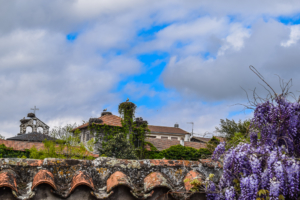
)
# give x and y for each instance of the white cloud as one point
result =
(294, 36)
(235, 39)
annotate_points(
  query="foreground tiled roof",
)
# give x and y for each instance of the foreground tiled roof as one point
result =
(110, 120)
(34, 137)
(165, 129)
(23, 145)
(102, 177)
(161, 144)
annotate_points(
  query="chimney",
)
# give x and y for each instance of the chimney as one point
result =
(182, 142)
(176, 125)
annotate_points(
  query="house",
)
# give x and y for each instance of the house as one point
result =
(156, 132)
(168, 133)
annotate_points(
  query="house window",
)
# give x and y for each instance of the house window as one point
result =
(164, 138)
(174, 138)
(87, 137)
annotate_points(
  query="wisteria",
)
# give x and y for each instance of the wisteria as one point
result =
(268, 167)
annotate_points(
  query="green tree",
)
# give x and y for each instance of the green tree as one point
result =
(228, 127)
(118, 147)
(234, 132)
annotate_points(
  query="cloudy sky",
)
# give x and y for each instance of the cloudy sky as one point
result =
(179, 61)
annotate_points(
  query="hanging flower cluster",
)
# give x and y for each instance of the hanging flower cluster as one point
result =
(268, 167)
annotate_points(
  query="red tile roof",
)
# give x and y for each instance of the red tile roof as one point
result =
(161, 144)
(202, 139)
(113, 120)
(222, 139)
(22, 145)
(110, 120)
(165, 129)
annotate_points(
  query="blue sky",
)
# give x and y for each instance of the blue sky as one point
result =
(179, 61)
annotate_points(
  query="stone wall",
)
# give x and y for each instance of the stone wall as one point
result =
(103, 178)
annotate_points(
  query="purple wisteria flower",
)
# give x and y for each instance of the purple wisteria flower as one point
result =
(268, 166)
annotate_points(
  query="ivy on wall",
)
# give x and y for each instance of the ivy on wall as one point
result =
(133, 130)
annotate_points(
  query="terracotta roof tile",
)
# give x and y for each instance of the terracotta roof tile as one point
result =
(43, 176)
(161, 144)
(189, 177)
(153, 180)
(82, 178)
(8, 179)
(117, 178)
(103, 175)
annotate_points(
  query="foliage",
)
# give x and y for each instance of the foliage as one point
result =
(196, 184)
(63, 132)
(53, 150)
(90, 145)
(133, 130)
(118, 147)
(6, 152)
(212, 144)
(2, 137)
(178, 152)
(68, 142)
(229, 127)
(268, 167)
(236, 139)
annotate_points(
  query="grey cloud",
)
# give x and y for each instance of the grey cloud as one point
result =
(221, 78)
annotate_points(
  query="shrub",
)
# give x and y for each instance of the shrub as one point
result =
(118, 147)
(178, 152)
(6, 152)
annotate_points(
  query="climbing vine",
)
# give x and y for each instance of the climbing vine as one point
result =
(134, 130)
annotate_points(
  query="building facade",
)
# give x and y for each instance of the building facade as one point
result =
(107, 118)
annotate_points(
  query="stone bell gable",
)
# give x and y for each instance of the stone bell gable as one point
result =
(33, 122)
